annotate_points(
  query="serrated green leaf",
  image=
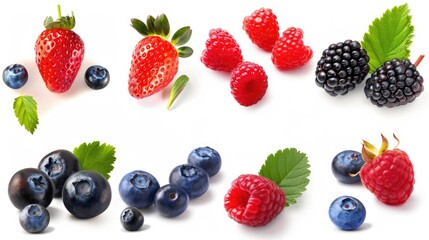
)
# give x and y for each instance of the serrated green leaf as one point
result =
(389, 37)
(95, 157)
(25, 108)
(289, 169)
(177, 88)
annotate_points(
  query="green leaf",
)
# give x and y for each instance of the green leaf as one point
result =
(150, 23)
(181, 36)
(389, 37)
(96, 157)
(289, 169)
(177, 88)
(185, 52)
(25, 108)
(162, 26)
(139, 26)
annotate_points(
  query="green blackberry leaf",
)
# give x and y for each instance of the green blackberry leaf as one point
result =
(289, 169)
(96, 157)
(25, 108)
(389, 37)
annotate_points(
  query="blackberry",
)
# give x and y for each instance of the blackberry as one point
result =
(342, 66)
(395, 83)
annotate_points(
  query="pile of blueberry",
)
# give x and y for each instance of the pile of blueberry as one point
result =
(15, 76)
(85, 194)
(140, 189)
(347, 212)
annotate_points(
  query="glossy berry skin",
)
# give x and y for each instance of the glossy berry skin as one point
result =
(131, 219)
(97, 77)
(154, 64)
(59, 55)
(254, 200)
(222, 52)
(30, 185)
(34, 218)
(249, 83)
(390, 177)
(289, 51)
(346, 165)
(347, 213)
(171, 200)
(193, 179)
(262, 28)
(395, 83)
(86, 194)
(15, 76)
(59, 165)
(206, 158)
(343, 65)
(138, 188)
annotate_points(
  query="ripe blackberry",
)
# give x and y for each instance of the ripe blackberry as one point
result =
(342, 66)
(395, 83)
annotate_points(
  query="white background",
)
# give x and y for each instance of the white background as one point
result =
(293, 113)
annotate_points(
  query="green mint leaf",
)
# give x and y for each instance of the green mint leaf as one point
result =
(96, 157)
(389, 37)
(289, 169)
(177, 88)
(25, 108)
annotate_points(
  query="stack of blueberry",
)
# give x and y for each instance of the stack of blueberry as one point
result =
(85, 194)
(140, 189)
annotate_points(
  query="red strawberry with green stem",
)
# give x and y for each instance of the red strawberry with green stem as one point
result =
(155, 60)
(388, 174)
(59, 53)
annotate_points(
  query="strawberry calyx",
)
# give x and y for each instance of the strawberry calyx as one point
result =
(63, 22)
(370, 152)
(160, 26)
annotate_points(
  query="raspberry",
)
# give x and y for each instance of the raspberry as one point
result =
(389, 176)
(222, 52)
(262, 28)
(248, 83)
(289, 51)
(254, 200)
(395, 83)
(341, 67)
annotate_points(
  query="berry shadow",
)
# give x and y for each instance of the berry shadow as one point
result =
(145, 227)
(54, 212)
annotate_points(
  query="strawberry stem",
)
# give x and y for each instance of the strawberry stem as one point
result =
(59, 11)
(419, 60)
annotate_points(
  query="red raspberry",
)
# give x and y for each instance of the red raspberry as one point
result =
(389, 176)
(248, 83)
(222, 52)
(289, 51)
(262, 28)
(254, 200)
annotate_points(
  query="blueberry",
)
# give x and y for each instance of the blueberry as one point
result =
(193, 179)
(346, 164)
(206, 158)
(138, 188)
(30, 185)
(34, 218)
(15, 76)
(132, 219)
(59, 165)
(97, 77)
(347, 212)
(171, 200)
(86, 194)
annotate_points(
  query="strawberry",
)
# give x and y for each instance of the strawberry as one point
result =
(262, 28)
(388, 174)
(289, 51)
(249, 82)
(59, 53)
(155, 60)
(254, 200)
(222, 52)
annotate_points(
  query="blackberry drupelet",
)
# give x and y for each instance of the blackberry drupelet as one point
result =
(395, 83)
(342, 66)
